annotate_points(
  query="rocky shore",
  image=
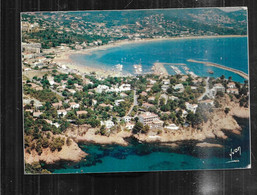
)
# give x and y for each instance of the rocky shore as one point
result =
(67, 153)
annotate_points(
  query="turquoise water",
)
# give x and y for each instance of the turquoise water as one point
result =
(231, 52)
(139, 157)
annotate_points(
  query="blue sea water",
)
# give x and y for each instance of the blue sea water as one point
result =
(231, 52)
(138, 157)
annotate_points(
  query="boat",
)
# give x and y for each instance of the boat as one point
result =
(210, 72)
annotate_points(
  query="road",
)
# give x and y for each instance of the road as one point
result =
(134, 103)
(207, 90)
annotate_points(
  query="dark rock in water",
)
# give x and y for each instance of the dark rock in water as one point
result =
(76, 166)
(184, 163)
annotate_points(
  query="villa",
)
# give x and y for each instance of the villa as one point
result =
(191, 107)
(172, 127)
(108, 124)
(117, 102)
(61, 112)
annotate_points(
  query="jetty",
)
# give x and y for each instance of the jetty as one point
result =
(176, 69)
(175, 64)
(239, 72)
(159, 69)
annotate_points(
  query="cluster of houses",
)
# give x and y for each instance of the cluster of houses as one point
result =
(105, 88)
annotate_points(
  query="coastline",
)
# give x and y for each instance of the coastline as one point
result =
(64, 57)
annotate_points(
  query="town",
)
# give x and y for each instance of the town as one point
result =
(56, 98)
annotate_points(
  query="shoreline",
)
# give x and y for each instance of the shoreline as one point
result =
(63, 58)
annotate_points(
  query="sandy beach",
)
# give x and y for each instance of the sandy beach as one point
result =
(63, 58)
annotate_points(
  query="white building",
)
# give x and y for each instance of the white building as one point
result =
(179, 87)
(37, 114)
(150, 119)
(61, 112)
(74, 105)
(108, 124)
(125, 87)
(127, 119)
(129, 126)
(191, 107)
(117, 102)
(172, 127)
(207, 102)
(101, 88)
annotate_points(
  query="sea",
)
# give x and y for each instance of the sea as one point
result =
(230, 51)
(140, 157)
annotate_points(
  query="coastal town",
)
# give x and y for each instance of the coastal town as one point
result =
(65, 105)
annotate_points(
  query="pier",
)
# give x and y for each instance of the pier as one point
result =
(159, 69)
(239, 72)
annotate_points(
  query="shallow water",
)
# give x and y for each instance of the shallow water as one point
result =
(152, 157)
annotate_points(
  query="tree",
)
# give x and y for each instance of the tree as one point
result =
(138, 127)
(145, 129)
(103, 130)
(226, 110)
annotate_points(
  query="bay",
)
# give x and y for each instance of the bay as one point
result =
(230, 51)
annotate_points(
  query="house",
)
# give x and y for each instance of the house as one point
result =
(29, 110)
(81, 112)
(179, 88)
(39, 64)
(150, 119)
(36, 87)
(37, 114)
(165, 87)
(94, 102)
(143, 93)
(151, 81)
(74, 105)
(191, 107)
(57, 125)
(108, 124)
(117, 102)
(48, 121)
(123, 94)
(147, 117)
(184, 113)
(61, 112)
(129, 126)
(127, 119)
(125, 87)
(231, 85)
(166, 81)
(172, 127)
(173, 98)
(101, 88)
(57, 105)
(156, 124)
(207, 102)
(232, 91)
(152, 98)
(193, 87)
(184, 78)
(219, 87)
(72, 91)
(147, 105)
